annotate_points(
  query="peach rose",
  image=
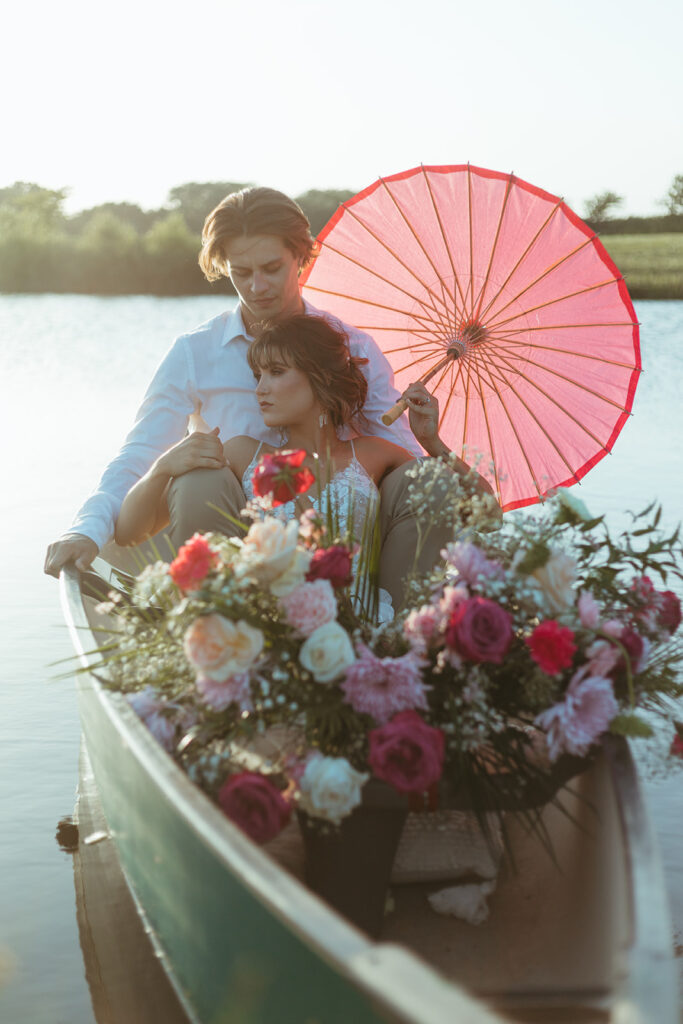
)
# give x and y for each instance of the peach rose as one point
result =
(556, 579)
(218, 648)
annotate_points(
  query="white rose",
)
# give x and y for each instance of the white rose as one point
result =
(218, 648)
(556, 579)
(294, 574)
(327, 652)
(331, 788)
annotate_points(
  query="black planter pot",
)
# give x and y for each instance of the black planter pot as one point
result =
(349, 865)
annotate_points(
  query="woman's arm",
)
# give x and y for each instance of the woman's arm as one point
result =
(424, 423)
(145, 511)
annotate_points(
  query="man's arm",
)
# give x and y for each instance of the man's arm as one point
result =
(161, 422)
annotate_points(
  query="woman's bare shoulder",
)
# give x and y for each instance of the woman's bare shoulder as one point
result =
(380, 456)
(240, 450)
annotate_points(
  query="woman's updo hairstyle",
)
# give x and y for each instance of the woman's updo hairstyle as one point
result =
(320, 349)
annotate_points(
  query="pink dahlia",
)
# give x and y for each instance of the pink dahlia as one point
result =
(310, 605)
(586, 712)
(552, 646)
(470, 561)
(382, 686)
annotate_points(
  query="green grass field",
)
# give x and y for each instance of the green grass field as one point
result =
(651, 264)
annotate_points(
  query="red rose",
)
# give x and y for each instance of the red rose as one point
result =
(192, 563)
(407, 753)
(669, 613)
(255, 805)
(552, 646)
(480, 630)
(333, 564)
(282, 476)
(677, 745)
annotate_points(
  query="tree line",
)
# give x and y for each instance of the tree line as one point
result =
(121, 249)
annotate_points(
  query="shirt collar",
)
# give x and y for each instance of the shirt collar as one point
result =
(234, 324)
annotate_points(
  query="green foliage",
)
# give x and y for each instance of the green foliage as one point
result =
(673, 200)
(599, 207)
(630, 725)
(319, 205)
(195, 201)
(651, 264)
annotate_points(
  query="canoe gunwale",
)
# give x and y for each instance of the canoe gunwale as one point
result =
(396, 980)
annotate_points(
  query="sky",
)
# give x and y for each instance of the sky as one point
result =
(122, 102)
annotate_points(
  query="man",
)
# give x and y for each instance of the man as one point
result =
(261, 240)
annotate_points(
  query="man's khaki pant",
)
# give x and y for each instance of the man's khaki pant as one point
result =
(199, 500)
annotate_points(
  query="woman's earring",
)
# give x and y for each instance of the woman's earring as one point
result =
(322, 419)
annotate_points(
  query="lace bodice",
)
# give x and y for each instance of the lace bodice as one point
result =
(351, 493)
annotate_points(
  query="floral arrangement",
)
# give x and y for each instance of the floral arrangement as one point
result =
(250, 660)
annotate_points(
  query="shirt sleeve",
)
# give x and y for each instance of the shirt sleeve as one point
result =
(382, 393)
(161, 421)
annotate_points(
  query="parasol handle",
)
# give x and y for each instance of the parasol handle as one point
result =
(455, 350)
(391, 415)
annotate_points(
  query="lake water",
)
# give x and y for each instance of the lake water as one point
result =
(72, 372)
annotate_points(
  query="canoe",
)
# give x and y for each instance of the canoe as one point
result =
(582, 935)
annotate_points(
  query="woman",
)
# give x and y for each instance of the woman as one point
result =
(310, 388)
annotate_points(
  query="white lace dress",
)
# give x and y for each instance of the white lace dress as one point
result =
(352, 495)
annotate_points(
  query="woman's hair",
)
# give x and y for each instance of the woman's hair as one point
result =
(321, 351)
(254, 211)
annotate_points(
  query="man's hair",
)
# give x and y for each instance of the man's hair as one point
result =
(320, 350)
(254, 211)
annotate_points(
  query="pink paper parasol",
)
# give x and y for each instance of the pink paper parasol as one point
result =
(497, 293)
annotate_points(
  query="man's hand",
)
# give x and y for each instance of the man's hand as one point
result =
(76, 549)
(196, 451)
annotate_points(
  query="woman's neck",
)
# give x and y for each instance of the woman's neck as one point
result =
(314, 440)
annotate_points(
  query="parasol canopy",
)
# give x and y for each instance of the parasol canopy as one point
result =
(501, 297)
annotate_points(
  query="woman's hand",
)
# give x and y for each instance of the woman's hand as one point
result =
(424, 418)
(196, 451)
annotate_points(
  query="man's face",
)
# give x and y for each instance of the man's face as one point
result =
(265, 275)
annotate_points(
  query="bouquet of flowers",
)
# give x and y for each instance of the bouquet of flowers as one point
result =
(253, 664)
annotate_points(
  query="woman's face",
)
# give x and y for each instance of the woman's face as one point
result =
(285, 395)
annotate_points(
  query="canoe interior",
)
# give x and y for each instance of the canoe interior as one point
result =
(564, 941)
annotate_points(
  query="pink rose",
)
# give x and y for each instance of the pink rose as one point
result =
(407, 753)
(282, 475)
(193, 563)
(635, 649)
(480, 630)
(310, 605)
(552, 646)
(255, 805)
(333, 564)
